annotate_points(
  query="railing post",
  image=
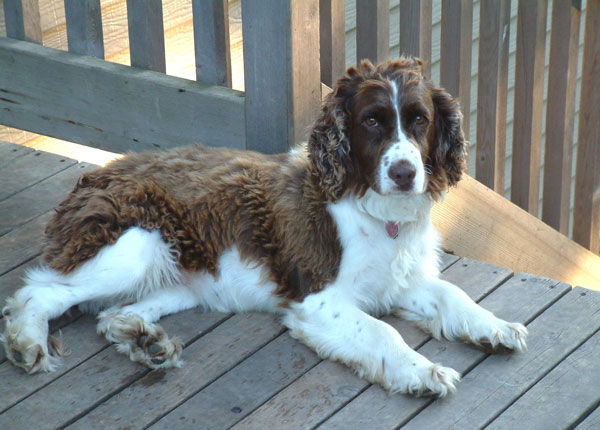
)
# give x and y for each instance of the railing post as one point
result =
(529, 93)
(586, 228)
(492, 89)
(211, 41)
(22, 19)
(333, 40)
(282, 74)
(560, 114)
(84, 27)
(455, 53)
(372, 30)
(146, 34)
(415, 30)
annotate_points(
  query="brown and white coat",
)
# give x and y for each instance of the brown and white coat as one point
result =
(326, 235)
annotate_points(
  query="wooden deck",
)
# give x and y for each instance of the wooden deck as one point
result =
(244, 371)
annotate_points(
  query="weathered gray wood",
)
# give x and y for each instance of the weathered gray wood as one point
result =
(10, 152)
(564, 395)
(281, 71)
(491, 386)
(328, 386)
(373, 30)
(104, 374)
(146, 34)
(332, 29)
(116, 108)
(560, 115)
(447, 260)
(492, 87)
(592, 422)
(586, 230)
(30, 169)
(12, 281)
(415, 30)
(22, 18)
(529, 90)
(211, 41)
(217, 352)
(394, 411)
(23, 243)
(39, 198)
(245, 387)
(84, 27)
(455, 53)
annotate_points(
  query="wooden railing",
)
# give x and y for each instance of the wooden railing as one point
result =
(283, 40)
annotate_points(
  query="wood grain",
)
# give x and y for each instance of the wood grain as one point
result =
(84, 27)
(332, 29)
(146, 34)
(373, 30)
(22, 18)
(415, 30)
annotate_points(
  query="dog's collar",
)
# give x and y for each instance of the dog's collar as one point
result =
(391, 229)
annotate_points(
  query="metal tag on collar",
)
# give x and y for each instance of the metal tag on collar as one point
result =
(392, 229)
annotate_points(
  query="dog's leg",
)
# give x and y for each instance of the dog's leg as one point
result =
(335, 328)
(445, 310)
(140, 261)
(133, 330)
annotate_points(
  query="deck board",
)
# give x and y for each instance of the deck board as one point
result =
(245, 371)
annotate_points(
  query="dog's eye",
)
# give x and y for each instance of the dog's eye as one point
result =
(371, 121)
(420, 120)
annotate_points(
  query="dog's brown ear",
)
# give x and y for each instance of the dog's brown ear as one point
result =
(448, 154)
(328, 144)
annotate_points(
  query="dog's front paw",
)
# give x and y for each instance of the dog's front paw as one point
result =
(422, 379)
(501, 336)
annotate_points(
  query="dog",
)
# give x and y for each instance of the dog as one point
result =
(327, 235)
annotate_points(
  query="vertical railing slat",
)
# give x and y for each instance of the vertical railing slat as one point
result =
(22, 19)
(146, 34)
(333, 40)
(455, 53)
(529, 93)
(492, 88)
(415, 30)
(281, 71)
(84, 27)
(211, 41)
(372, 30)
(560, 114)
(586, 227)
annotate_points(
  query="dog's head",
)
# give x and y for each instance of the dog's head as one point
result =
(388, 128)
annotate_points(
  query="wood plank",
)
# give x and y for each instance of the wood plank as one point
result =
(492, 86)
(586, 230)
(415, 30)
(23, 243)
(560, 115)
(332, 33)
(529, 90)
(84, 27)
(133, 110)
(22, 19)
(373, 30)
(494, 384)
(281, 69)
(39, 198)
(564, 395)
(29, 170)
(107, 372)
(591, 422)
(211, 41)
(10, 152)
(245, 387)
(157, 393)
(476, 222)
(392, 411)
(12, 281)
(330, 385)
(455, 54)
(146, 34)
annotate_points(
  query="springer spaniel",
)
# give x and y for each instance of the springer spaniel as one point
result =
(327, 235)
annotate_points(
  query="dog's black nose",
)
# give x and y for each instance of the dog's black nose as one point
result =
(403, 174)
